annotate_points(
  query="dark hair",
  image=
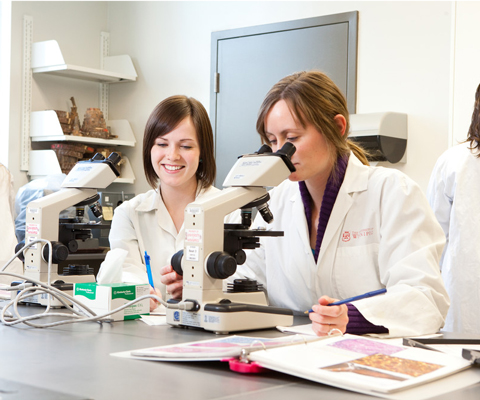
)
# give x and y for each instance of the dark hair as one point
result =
(164, 118)
(474, 130)
(314, 98)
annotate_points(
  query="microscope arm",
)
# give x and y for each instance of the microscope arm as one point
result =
(204, 221)
(44, 212)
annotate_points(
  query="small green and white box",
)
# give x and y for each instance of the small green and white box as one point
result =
(107, 297)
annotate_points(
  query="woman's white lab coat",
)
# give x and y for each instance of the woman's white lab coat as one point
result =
(144, 224)
(454, 194)
(381, 233)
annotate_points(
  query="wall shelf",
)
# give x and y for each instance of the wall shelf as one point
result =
(45, 127)
(45, 162)
(47, 58)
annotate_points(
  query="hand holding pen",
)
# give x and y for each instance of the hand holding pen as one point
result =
(354, 298)
(333, 314)
(325, 317)
(153, 303)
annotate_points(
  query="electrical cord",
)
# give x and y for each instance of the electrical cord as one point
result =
(78, 313)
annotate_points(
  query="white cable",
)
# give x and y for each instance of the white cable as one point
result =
(81, 313)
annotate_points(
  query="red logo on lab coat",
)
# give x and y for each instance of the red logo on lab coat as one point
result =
(355, 235)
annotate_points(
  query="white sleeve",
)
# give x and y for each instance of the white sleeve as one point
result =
(440, 192)
(409, 251)
(123, 235)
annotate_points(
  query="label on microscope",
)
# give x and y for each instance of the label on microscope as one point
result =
(193, 235)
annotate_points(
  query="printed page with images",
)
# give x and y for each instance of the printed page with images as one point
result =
(360, 364)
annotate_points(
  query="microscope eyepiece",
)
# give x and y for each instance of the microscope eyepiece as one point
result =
(114, 158)
(97, 157)
(287, 149)
(264, 149)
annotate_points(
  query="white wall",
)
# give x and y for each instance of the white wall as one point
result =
(5, 45)
(76, 26)
(405, 59)
(466, 67)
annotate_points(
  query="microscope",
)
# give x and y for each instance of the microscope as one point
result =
(79, 189)
(213, 250)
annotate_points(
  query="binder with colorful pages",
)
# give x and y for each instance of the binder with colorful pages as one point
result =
(365, 365)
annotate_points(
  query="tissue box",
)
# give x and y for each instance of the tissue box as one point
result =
(107, 297)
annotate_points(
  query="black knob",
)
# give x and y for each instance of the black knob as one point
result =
(176, 262)
(72, 246)
(221, 265)
(18, 247)
(59, 252)
(240, 257)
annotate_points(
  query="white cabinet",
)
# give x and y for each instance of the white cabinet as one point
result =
(47, 58)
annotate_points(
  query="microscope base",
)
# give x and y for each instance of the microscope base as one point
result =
(222, 318)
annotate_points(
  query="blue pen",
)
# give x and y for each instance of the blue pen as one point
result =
(354, 298)
(149, 269)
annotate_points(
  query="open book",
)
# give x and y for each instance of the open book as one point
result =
(210, 350)
(356, 363)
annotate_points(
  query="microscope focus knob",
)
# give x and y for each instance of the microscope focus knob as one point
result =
(176, 262)
(221, 265)
(59, 252)
(20, 245)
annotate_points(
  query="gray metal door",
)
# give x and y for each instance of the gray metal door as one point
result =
(247, 62)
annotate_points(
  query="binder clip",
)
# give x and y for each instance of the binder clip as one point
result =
(243, 365)
(471, 355)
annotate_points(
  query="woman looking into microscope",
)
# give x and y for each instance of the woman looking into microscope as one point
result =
(179, 165)
(348, 228)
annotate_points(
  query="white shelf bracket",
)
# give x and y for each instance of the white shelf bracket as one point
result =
(26, 91)
(104, 87)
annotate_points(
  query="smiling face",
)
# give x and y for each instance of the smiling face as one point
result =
(312, 159)
(175, 156)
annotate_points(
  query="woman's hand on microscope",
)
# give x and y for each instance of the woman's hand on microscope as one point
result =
(325, 318)
(154, 303)
(172, 281)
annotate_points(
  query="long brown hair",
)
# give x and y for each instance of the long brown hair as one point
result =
(164, 118)
(474, 131)
(313, 98)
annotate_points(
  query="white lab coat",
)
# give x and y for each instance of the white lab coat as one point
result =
(144, 224)
(381, 233)
(454, 194)
(9, 241)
